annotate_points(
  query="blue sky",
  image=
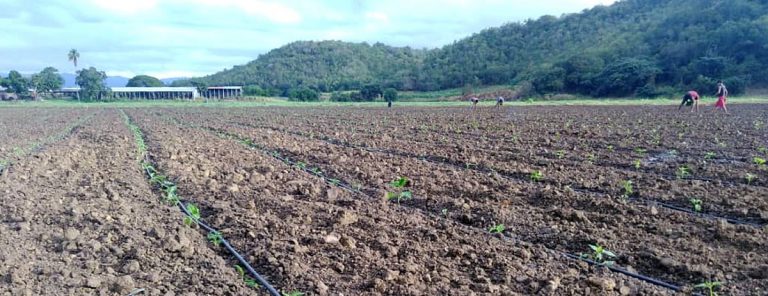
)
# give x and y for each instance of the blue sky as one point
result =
(181, 38)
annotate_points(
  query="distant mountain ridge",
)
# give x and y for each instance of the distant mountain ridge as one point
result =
(632, 47)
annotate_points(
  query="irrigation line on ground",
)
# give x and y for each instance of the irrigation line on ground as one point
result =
(262, 281)
(510, 176)
(650, 280)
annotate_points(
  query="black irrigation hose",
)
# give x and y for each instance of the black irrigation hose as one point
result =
(512, 177)
(262, 281)
(619, 270)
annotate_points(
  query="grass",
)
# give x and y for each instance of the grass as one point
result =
(279, 102)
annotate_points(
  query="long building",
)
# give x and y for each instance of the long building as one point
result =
(163, 93)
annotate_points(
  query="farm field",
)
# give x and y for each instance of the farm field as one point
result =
(492, 202)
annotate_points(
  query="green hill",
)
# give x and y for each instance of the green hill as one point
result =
(633, 47)
(325, 66)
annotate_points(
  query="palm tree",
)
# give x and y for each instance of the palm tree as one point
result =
(73, 56)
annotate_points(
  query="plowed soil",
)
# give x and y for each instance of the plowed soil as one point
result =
(80, 218)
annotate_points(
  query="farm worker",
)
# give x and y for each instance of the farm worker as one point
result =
(499, 101)
(389, 103)
(690, 98)
(722, 96)
(474, 101)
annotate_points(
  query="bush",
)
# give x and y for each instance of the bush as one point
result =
(303, 94)
(390, 94)
(338, 96)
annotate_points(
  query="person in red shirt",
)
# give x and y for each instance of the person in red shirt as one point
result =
(690, 98)
(722, 96)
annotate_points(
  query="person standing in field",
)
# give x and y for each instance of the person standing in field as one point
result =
(499, 102)
(474, 101)
(691, 98)
(722, 96)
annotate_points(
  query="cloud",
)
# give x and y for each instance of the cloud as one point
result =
(172, 37)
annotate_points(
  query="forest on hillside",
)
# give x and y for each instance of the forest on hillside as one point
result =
(631, 48)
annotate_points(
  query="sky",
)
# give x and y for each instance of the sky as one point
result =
(187, 38)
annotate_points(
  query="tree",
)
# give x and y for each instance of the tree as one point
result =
(303, 94)
(144, 81)
(91, 82)
(202, 88)
(390, 94)
(47, 80)
(17, 84)
(73, 56)
(371, 92)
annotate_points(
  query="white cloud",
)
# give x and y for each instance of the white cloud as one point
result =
(194, 37)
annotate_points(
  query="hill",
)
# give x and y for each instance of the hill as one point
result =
(633, 47)
(630, 47)
(325, 66)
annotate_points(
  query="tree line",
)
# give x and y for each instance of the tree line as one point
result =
(631, 48)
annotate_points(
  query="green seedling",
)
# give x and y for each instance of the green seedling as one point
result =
(194, 215)
(696, 204)
(293, 293)
(709, 286)
(444, 212)
(610, 148)
(300, 165)
(560, 154)
(640, 151)
(762, 150)
(249, 281)
(317, 171)
(215, 238)
(536, 176)
(627, 188)
(591, 158)
(750, 178)
(498, 228)
(709, 155)
(334, 182)
(683, 172)
(600, 255)
(399, 193)
(637, 163)
(171, 196)
(758, 161)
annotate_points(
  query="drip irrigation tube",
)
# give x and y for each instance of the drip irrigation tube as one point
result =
(262, 281)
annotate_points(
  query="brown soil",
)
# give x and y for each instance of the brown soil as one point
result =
(80, 218)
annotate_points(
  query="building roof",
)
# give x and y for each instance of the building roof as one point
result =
(142, 89)
(225, 87)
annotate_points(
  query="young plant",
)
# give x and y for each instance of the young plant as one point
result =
(293, 293)
(536, 176)
(334, 182)
(591, 158)
(600, 255)
(710, 155)
(248, 280)
(750, 178)
(758, 161)
(194, 215)
(171, 197)
(560, 154)
(637, 163)
(640, 151)
(317, 171)
(215, 238)
(683, 172)
(627, 189)
(762, 149)
(498, 228)
(300, 165)
(709, 286)
(696, 204)
(399, 192)
(610, 148)
(444, 212)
